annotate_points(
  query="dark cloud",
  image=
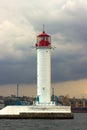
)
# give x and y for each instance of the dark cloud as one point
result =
(68, 67)
(18, 71)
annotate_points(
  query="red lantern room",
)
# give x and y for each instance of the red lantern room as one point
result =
(43, 40)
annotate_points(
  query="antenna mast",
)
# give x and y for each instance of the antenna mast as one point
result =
(43, 28)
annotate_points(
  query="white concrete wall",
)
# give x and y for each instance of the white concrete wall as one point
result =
(44, 75)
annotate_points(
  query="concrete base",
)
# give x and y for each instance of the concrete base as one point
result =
(36, 112)
(39, 116)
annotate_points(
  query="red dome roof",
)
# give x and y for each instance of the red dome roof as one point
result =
(43, 34)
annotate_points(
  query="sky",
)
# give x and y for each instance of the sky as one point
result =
(22, 20)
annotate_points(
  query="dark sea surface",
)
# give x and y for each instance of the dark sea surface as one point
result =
(78, 123)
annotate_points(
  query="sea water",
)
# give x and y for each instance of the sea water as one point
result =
(78, 123)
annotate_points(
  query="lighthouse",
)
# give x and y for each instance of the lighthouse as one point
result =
(43, 47)
(43, 108)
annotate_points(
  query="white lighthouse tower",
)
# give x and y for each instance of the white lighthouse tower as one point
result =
(43, 47)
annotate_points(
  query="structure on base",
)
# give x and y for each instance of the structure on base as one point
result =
(43, 47)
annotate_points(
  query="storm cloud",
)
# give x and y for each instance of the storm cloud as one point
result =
(21, 21)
